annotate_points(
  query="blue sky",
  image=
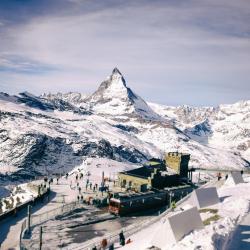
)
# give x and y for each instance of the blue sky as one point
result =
(171, 52)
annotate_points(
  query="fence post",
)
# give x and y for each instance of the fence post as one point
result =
(40, 238)
(29, 214)
(170, 199)
(21, 234)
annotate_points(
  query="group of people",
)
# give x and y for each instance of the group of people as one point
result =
(50, 181)
(219, 176)
(104, 243)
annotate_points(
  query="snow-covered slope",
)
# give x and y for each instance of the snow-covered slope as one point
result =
(54, 133)
(227, 126)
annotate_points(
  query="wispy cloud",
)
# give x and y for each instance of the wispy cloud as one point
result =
(16, 64)
(201, 47)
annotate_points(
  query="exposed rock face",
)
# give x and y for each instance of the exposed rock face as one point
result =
(104, 149)
(74, 98)
(42, 103)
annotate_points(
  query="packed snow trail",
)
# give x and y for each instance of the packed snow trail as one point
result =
(241, 237)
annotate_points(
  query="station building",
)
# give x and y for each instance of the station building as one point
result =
(178, 162)
(156, 174)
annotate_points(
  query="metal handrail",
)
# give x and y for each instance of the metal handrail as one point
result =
(131, 229)
(48, 215)
(128, 231)
(43, 217)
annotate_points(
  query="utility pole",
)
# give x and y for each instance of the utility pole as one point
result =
(29, 214)
(102, 179)
(40, 238)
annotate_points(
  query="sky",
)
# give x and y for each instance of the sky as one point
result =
(173, 52)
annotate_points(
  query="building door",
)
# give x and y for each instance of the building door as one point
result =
(124, 183)
(143, 187)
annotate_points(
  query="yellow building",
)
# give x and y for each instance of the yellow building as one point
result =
(137, 179)
(146, 178)
(178, 162)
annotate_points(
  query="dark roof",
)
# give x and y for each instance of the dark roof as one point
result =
(155, 159)
(143, 172)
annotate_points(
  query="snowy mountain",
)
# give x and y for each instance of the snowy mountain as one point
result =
(226, 126)
(113, 97)
(74, 98)
(55, 133)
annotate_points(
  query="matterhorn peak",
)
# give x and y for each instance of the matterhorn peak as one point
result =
(114, 97)
(116, 71)
(117, 77)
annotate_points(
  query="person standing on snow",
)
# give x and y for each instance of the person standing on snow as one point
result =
(122, 238)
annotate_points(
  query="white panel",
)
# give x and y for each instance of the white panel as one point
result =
(237, 177)
(185, 222)
(164, 235)
(206, 197)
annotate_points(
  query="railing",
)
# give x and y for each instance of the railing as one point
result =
(13, 210)
(112, 237)
(41, 218)
(132, 229)
(127, 231)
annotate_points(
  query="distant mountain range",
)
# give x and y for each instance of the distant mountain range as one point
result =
(55, 132)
